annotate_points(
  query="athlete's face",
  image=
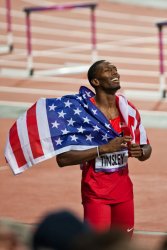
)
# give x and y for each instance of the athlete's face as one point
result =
(107, 77)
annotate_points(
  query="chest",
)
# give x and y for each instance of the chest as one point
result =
(110, 113)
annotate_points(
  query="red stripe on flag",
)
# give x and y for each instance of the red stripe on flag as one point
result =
(137, 118)
(131, 121)
(137, 131)
(33, 132)
(16, 146)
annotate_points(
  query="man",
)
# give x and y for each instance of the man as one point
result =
(107, 192)
(99, 131)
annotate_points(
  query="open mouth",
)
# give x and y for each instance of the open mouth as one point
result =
(115, 79)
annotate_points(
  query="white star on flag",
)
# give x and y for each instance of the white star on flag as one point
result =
(55, 124)
(94, 111)
(74, 138)
(61, 114)
(105, 137)
(86, 119)
(65, 131)
(52, 107)
(96, 128)
(77, 111)
(81, 129)
(107, 125)
(89, 137)
(85, 106)
(79, 98)
(58, 142)
(71, 122)
(67, 104)
(88, 93)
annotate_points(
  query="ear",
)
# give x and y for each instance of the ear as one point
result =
(95, 82)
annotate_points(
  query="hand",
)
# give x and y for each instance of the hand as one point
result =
(135, 150)
(116, 144)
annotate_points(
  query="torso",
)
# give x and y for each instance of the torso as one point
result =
(108, 188)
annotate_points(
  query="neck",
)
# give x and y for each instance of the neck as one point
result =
(107, 105)
(105, 100)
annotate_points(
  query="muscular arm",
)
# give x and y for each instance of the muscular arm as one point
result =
(75, 157)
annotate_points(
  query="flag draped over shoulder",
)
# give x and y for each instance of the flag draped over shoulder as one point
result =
(56, 125)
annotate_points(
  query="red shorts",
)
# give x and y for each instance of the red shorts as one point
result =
(104, 217)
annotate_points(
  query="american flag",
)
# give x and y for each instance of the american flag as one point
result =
(56, 125)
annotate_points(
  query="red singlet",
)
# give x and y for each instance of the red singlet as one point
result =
(107, 188)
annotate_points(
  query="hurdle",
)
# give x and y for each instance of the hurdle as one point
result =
(29, 10)
(162, 87)
(9, 47)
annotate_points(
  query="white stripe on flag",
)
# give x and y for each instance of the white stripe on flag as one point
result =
(43, 128)
(132, 112)
(123, 106)
(143, 136)
(10, 156)
(24, 139)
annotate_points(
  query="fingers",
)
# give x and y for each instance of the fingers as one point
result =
(125, 141)
(135, 150)
(118, 143)
(127, 138)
